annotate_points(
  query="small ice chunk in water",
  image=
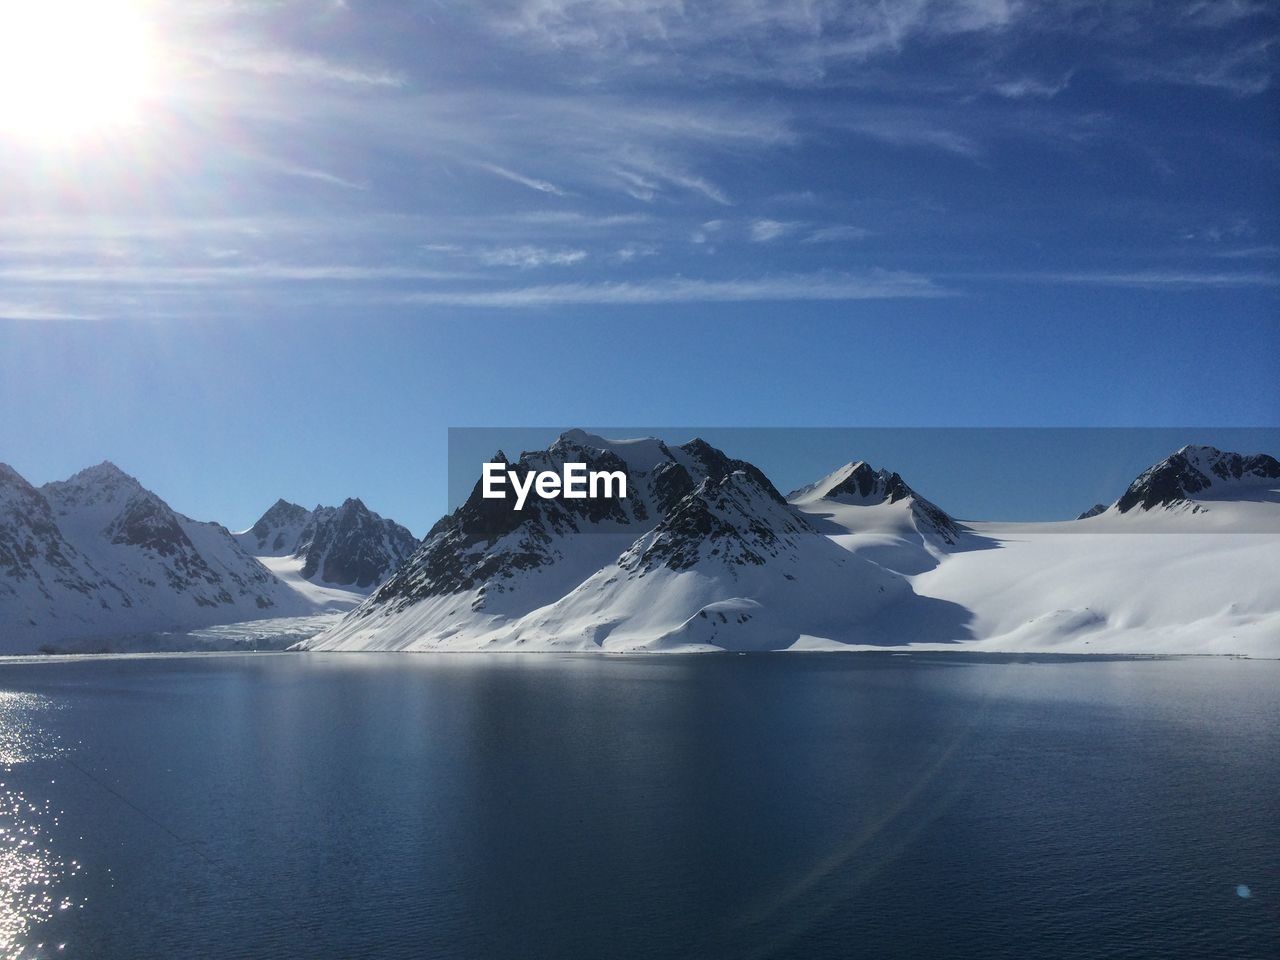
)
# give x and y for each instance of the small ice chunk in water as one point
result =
(1243, 891)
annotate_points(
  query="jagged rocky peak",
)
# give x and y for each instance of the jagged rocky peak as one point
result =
(486, 546)
(735, 518)
(1095, 510)
(347, 545)
(859, 483)
(277, 532)
(103, 483)
(350, 545)
(1198, 472)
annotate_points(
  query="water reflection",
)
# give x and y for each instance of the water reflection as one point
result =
(31, 873)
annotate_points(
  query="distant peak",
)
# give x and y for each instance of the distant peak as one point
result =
(860, 480)
(104, 472)
(1192, 472)
(581, 438)
(1199, 450)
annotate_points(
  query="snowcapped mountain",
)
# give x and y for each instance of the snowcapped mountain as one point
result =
(278, 532)
(37, 563)
(861, 485)
(98, 554)
(348, 545)
(1093, 511)
(1197, 473)
(703, 552)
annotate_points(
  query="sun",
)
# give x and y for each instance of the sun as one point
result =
(71, 68)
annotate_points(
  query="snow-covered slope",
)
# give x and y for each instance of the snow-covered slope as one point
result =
(709, 556)
(98, 555)
(347, 546)
(876, 515)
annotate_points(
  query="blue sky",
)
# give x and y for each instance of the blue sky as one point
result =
(325, 232)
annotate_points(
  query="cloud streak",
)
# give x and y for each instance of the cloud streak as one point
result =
(300, 66)
(1152, 279)
(877, 285)
(533, 183)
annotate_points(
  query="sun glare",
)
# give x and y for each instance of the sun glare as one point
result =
(71, 68)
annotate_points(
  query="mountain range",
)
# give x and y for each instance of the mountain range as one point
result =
(98, 556)
(704, 554)
(708, 555)
(349, 546)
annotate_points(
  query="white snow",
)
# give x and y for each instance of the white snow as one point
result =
(322, 596)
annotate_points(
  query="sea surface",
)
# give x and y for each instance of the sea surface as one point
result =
(524, 806)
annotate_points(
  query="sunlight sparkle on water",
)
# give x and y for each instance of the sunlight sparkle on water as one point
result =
(30, 871)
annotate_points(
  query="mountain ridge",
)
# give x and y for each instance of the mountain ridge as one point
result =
(708, 555)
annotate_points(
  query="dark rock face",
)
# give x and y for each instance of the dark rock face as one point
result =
(351, 545)
(1195, 470)
(734, 519)
(348, 545)
(716, 466)
(271, 529)
(148, 524)
(1093, 511)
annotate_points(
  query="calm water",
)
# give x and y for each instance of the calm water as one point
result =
(538, 806)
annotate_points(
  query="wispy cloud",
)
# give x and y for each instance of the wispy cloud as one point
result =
(11, 310)
(1244, 70)
(170, 275)
(837, 233)
(301, 66)
(635, 251)
(762, 231)
(877, 285)
(793, 42)
(1154, 279)
(533, 183)
(910, 132)
(528, 256)
(1023, 87)
(1248, 253)
(316, 174)
(644, 174)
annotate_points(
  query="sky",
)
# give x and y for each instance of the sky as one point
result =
(252, 250)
